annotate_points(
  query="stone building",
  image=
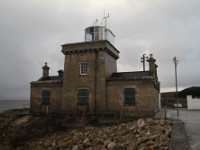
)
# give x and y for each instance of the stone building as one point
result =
(90, 83)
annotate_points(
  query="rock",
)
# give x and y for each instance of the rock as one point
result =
(123, 145)
(48, 143)
(142, 145)
(119, 129)
(142, 148)
(165, 143)
(98, 141)
(157, 128)
(39, 143)
(36, 148)
(164, 148)
(168, 132)
(54, 143)
(151, 121)
(75, 147)
(89, 148)
(112, 146)
(62, 144)
(86, 140)
(122, 124)
(107, 142)
(103, 148)
(156, 146)
(80, 146)
(21, 120)
(142, 133)
(139, 130)
(148, 133)
(50, 148)
(149, 148)
(142, 140)
(140, 123)
(132, 146)
(87, 133)
(133, 127)
(170, 122)
(150, 143)
(162, 138)
(162, 122)
(153, 137)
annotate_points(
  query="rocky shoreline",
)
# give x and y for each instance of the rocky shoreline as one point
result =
(20, 130)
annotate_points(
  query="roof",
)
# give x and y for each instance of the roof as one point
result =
(131, 74)
(49, 78)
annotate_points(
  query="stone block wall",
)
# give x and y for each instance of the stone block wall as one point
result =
(146, 96)
(36, 97)
(101, 59)
(74, 81)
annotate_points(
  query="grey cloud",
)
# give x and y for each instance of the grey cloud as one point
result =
(32, 32)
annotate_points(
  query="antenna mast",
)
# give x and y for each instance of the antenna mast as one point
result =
(143, 59)
(105, 17)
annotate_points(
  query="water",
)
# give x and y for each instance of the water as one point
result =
(13, 104)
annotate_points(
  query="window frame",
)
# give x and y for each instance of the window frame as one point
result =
(45, 97)
(83, 68)
(129, 96)
(81, 94)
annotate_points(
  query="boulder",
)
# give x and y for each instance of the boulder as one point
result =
(75, 147)
(107, 142)
(150, 143)
(112, 146)
(157, 128)
(162, 137)
(162, 122)
(48, 143)
(140, 123)
(153, 137)
(133, 127)
(164, 148)
(132, 146)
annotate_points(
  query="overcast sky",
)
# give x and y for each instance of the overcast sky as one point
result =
(31, 32)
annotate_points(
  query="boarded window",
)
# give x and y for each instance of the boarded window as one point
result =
(46, 96)
(82, 96)
(129, 96)
(83, 68)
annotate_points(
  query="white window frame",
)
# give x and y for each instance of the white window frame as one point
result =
(83, 68)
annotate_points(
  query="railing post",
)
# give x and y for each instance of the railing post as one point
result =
(142, 111)
(47, 109)
(83, 113)
(165, 112)
(121, 113)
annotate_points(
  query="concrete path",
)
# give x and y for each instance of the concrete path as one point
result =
(191, 120)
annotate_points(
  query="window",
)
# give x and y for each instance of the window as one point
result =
(83, 68)
(46, 96)
(129, 96)
(82, 96)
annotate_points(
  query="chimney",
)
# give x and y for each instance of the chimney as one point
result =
(156, 74)
(60, 73)
(152, 65)
(45, 70)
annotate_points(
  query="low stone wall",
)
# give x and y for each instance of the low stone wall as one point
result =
(193, 103)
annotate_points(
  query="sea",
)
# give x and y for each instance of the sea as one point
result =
(13, 104)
